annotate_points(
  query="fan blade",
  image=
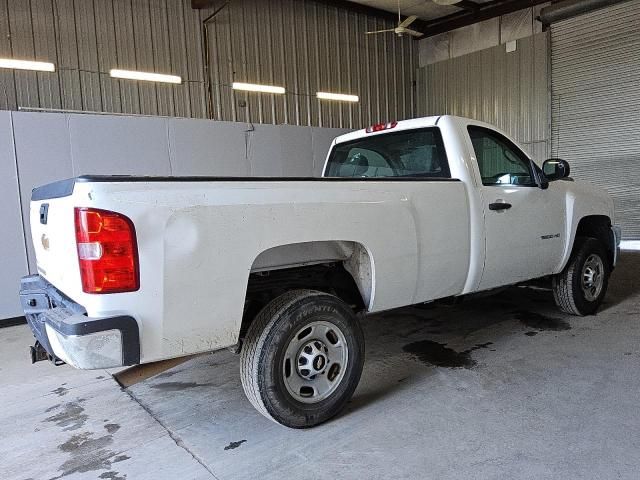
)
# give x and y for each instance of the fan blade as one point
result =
(408, 21)
(381, 31)
(413, 33)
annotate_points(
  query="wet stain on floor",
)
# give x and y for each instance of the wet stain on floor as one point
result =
(542, 322)
(111, 427)
(439, 355)
(478, 347)
(60, 391)
(111, 475)
(82, 441)
(234, 445)
(70, 417)
(177, 386)
(90, 454)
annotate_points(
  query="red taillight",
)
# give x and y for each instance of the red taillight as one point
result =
(378, 127)
(107, 251)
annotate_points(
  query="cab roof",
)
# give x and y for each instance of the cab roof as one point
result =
(400, 125)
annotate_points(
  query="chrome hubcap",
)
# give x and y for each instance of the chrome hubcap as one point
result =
(592, 277)
(315, 362)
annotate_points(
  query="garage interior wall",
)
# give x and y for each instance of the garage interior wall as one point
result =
(303, 45)
(38, 148)
(506, 89)
(595, 63)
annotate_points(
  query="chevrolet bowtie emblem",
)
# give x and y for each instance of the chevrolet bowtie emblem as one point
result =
(45, 241)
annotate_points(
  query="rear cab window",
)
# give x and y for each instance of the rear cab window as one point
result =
(416, 153)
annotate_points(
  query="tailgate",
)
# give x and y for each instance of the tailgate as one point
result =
(53, 234)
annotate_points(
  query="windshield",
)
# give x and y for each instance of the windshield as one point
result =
(409, 153)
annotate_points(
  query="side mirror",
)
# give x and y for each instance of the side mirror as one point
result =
(555, 169)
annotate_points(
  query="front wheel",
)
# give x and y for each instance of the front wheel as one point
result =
(580, 288)
(302, 358)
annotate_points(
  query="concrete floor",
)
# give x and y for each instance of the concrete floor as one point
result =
(501, 387)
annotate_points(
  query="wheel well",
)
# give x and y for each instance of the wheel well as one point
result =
(332, 277)
(598, 227)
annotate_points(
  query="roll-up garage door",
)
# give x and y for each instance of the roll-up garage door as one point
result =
(595, 72)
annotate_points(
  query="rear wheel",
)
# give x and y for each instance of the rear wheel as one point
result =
(580, 288)
(302, 358)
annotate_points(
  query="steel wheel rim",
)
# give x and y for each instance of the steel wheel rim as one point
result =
(315, 362)
(592, 278)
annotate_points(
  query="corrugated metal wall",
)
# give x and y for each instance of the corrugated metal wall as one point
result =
(300, 44)
(596, 90)
(85, 39)
(509, 90)
(308, 47)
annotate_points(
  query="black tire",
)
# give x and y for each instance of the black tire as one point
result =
(273, 331)
(567, 286)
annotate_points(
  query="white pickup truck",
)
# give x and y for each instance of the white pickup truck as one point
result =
(134, 270)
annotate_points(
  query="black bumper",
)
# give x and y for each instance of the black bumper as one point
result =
(44, 304)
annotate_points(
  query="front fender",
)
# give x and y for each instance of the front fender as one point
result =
(584, 200)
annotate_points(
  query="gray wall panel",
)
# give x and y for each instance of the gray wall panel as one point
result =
(297, 151)
(44, 155)
(201, 147)
(107, 145)
(13, 259)
(264, 150)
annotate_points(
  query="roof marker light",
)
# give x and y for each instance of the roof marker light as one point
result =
(378, 127)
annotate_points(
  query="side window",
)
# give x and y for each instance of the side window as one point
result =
(408, 153)
(499, 160)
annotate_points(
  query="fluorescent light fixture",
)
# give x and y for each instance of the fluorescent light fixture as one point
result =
(145, 76)
(27, 65)
(252, 87)
(337, 96)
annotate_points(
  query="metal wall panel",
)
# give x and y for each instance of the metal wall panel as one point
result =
(13, 261)
(43, 153)
(140, 149)
(302, 45)
(508, 90)
(85, 39)
(306, 46)
(596, 93)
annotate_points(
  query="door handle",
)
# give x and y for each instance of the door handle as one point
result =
(499, 206)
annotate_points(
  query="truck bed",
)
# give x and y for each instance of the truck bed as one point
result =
(199, 239)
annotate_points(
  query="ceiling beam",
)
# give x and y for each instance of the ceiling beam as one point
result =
(467, 5)
(200, 4)
(471, 13)
(485, 11)
(343, 5)
(370, 11)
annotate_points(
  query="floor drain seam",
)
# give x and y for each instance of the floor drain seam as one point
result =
(176, 438)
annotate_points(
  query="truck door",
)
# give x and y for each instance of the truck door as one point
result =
(524, 224)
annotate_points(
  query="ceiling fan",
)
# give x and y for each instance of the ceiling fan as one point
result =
(401, 29)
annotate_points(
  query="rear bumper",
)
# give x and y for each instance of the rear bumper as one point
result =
(65, 331)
